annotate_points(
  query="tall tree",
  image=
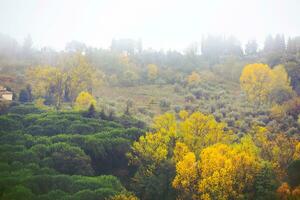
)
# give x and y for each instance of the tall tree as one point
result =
(256, 81)
(47, 81)
(251, 47)
(152, 71)
(81, 76)
(261, 83)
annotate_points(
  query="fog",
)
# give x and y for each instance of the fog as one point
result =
(169, 24)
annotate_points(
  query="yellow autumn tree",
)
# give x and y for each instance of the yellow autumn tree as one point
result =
(155, 146)
(208, 164)
(124, 197)
(222, 171)
(280, 151)
(217, 172)
(40, 79)
(193, 78)
(281, 78)
(183, 114)
(74, 75)
(180, 151)
(256, 80)
(199, 131)
(297, 152)
(46, 80)
(84, 100)
(81, 76)
(281, 89)
(179, 142)
(165, 124)
(196, 131)
(151, 147)
(187, 176)
(152, 71)
(262, 84)
(226, 171)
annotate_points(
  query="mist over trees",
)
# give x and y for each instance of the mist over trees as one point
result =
(217, 120)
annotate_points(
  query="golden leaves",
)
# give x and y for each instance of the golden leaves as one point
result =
(124, 197)
(199, 131)
(152, 71)
(209, 164)
(193, 78)
(226, 170)
(41, 78)
(280, 151)
(151, 147)
(186, 173)
(256, 81)
(84, 100)
(259, 81)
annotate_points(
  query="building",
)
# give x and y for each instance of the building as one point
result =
(5, 94)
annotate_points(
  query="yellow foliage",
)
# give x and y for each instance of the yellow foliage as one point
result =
(259, 81)
(151, 147)
(226, 171)
(196, 132)
(124, 197)
(199, 131)
(152, 71)
(180, 151)
(297, 152)
(193, 78)
(183, 114)
(165, 124)
(41, 78)
(256, 81)
(186, 174)
(223, 171)
(84, 100)
(289, 107)
(281, 78)
(277, 111)
(82, 77)
(280, 151)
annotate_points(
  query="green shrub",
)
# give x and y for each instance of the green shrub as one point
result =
(24, 109)
(80, 128)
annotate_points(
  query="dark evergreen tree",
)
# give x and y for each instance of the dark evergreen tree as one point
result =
(29, 92)
(24, 96)
(269, 44)
(293, 173)
(279, 44)
(91, 111)
(265, 184)
(251, 47)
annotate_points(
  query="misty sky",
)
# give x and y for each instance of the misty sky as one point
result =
(167, 24)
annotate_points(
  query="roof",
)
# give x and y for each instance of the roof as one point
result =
(5, 92)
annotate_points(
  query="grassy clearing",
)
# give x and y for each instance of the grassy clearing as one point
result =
(145, 97)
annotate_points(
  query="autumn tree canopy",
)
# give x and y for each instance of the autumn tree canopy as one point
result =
(262, 84)
(59, 84)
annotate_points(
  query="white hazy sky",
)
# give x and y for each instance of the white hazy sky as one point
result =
(166, 24)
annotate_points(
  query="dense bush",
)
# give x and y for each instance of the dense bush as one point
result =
(24, 109)
(42, 154)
